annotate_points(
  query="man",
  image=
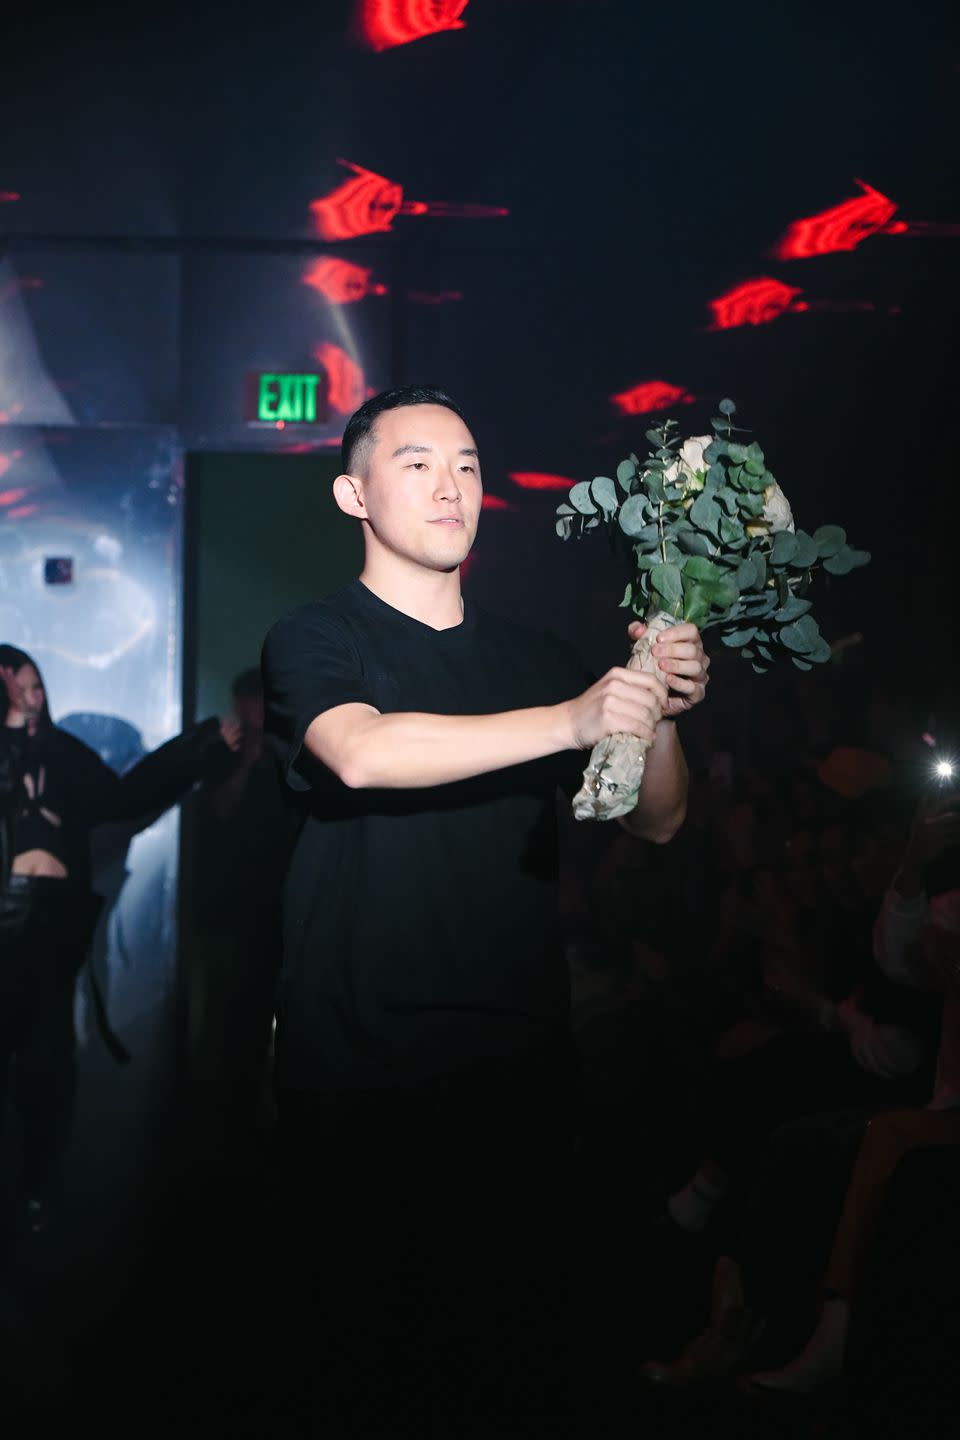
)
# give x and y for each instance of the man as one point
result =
(423, 1041)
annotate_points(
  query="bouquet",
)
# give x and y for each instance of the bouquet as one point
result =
(708, 536)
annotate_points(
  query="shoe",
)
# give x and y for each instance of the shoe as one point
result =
(714, 1354)
(787, 1384)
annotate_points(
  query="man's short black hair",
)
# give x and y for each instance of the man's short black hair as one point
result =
(357, 437)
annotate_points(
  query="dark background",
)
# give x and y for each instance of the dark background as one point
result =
(649, 157)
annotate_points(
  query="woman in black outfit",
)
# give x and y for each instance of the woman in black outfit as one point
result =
(53, 791)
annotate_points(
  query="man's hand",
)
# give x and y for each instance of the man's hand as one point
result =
(622, 701)
(680, 654)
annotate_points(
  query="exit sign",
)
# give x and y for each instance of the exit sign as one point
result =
(287, 397)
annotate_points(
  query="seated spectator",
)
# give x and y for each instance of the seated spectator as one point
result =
(917, 942)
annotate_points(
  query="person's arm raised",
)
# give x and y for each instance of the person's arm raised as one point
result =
(408, 750)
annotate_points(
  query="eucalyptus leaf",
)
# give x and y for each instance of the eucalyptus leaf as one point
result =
(736, 638)
(626, 473)
(793, 609)
(730, 532)
(580, 499)
(666, 580)
(696, 604)
(604, 492)
(632, 518)
(829, 539)
(695, 543)
(784, 547)
(727, 407)
(696, 567)
(846, 560)
(747, 573)
(806, 552)
(801, 635)
(627, 596)
(705, 513)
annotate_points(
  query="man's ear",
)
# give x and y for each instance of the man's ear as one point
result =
(348, 493)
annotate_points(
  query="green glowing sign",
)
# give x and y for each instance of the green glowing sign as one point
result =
(294, 399)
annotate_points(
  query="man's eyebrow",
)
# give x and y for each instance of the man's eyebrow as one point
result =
(426, 450)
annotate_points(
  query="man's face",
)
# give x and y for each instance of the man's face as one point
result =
(422, 489)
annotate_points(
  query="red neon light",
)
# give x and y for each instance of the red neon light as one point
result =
(341, 282)
(359, 206)
(840, 228)
(652, 395)
(348, 387)
(369, 202)
(536, 480)
(9, 197)
(755, 302)
(386, 23)
(495, 502)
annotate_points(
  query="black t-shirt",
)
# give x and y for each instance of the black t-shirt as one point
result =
(420, 926)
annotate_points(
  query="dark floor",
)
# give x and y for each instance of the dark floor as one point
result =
(164, 1295)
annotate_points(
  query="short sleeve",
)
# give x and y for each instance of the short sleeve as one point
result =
(309, 664)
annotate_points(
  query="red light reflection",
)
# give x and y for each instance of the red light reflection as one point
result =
(10, 497)
(22, 512)
(369, 202)
(840, 228)
(348, 387)
(495, 502)
(341, 282)
(755, 302)
(386, 23)
(9, 197)
(652, 395)
(537, 480)
(8, 416)
(5, 462)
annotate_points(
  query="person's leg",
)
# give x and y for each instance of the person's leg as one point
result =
(888, 1137)
(43, 1091)
(791, 1075)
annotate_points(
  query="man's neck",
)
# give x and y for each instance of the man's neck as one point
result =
(430, 596)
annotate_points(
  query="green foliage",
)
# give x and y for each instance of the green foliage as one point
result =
(714, 546)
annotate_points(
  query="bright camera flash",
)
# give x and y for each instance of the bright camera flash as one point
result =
(944, 769)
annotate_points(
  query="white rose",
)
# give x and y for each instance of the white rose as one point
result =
(689, 469)
(691, 452)
(777, 514)
(776, 509)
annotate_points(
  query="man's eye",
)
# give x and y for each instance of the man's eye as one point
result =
(468, 467)
(417, 465)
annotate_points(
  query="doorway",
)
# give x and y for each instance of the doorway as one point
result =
(263, 535)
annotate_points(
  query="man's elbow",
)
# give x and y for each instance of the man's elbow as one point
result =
(663, 833)
(657, 830)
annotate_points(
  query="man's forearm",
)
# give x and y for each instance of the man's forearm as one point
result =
(662, 803)
(408, 751)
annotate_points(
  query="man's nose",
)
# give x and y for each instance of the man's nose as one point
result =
(448, 487)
